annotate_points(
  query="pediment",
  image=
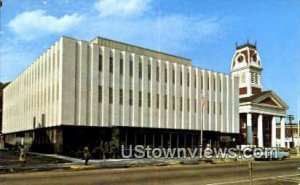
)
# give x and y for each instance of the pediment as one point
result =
(266, 98)
(271, 99)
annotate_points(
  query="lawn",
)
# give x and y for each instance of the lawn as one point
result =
(11, 158)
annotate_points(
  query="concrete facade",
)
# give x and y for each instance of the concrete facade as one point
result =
(105, 83)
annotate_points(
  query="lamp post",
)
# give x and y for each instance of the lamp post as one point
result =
(291, 118)
(298, 143)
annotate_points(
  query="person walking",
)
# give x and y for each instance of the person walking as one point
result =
(86, 155)
(22, 157)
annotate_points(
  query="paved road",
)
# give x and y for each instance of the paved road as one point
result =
(265, 172)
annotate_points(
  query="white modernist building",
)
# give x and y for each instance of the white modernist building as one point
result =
(81, 92)
(258, 109)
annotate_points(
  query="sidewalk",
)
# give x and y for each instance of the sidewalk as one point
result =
(78, 164)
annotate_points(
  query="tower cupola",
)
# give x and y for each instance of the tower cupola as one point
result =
(246, 64)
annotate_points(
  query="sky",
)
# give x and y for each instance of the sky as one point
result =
(204, 31)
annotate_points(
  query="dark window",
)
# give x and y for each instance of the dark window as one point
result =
(207, 83)
(220, 107)
(130, 66)
(121, 96)
(149, 72)
(180, 77)
(140, 98)
(180, 103)
(188, 105)
(207, 107)
(121, 66)
(149, 100)
(140, 70)
(214, 107)
(111, 64)
(130, 97)
(100, 94)
(201, 81)
(173, 76)
(157, 73)
(110, 95)
(220, 86)
(100, 62)
(214, 84)
(166, 75)
(173, 102)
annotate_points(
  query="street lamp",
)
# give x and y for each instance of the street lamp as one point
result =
(291, 118)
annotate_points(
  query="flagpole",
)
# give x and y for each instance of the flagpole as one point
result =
(298, 120)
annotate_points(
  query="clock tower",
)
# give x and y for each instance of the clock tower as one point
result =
(246, 65)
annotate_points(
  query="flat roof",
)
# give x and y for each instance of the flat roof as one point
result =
(140, 50)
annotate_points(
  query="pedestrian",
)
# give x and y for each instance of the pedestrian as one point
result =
(86, 155)
(22, 157)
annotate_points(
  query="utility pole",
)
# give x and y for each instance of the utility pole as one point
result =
(291, 118)
(250, 167)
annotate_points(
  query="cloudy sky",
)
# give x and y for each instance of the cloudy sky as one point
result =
(205, 31)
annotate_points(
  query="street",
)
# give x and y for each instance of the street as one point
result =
(264, 172)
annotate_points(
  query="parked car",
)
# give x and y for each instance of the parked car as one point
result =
(271, 154)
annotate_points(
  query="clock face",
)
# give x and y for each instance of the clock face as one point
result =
(240, 58)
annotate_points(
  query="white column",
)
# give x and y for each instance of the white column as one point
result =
(273, 135)
(282, 132)
(249, 129)
(260, 131)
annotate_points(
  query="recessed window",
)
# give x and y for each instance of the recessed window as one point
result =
(100, 62)
(207, 83)
(240, 58)
(166, 75)
(131, 67)
(100, 94)
(180, 77)
(173, 102)
(173, 76)
(181, 103)
(121, 96)
(110, 95)
(121, 65)
(111, 64)
(130, 97)
(207, 107)
(157, 73)
(140, 70)
(140, 98)
(214, 81)
(149, 72)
